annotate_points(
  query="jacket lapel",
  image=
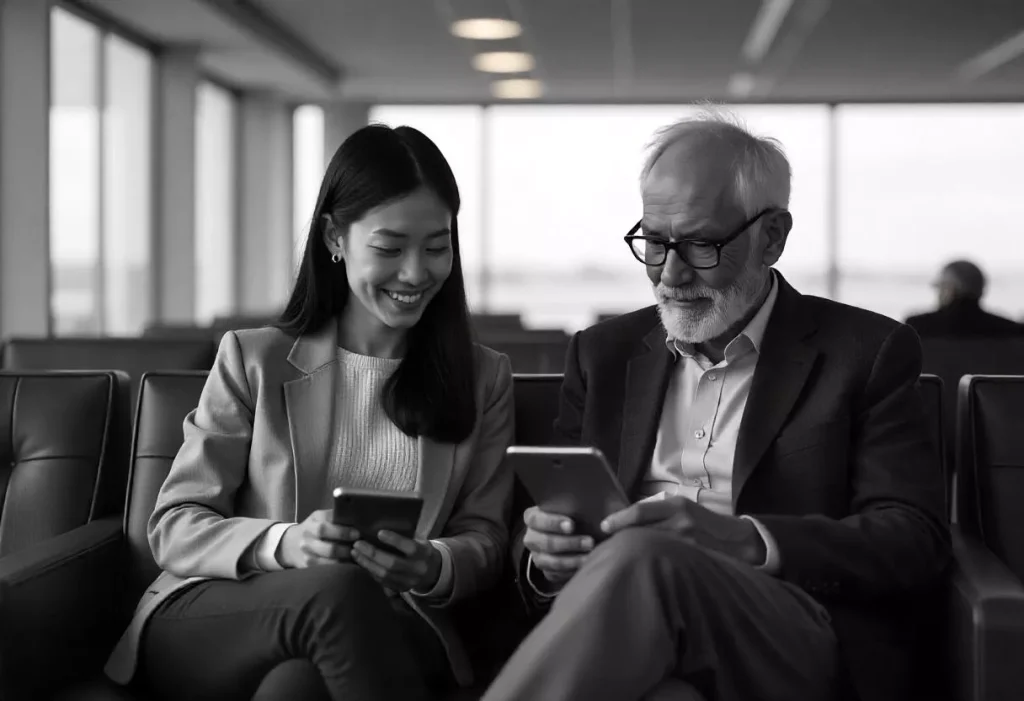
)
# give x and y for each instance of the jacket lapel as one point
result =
(436, 465)
(782, 369)
(647, 377)
(310, 403)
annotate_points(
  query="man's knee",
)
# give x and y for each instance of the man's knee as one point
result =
(643, 546)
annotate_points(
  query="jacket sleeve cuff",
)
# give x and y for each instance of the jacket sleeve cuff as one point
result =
(266, 547)
(772, 561)
(446, 580)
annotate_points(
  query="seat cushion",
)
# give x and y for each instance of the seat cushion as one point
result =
(58, 463)
(99, 688)
(135, 356)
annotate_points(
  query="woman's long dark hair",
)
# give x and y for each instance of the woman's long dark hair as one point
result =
(431, 393)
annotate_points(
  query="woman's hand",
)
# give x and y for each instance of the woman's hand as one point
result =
(414, 565)
(316, 541)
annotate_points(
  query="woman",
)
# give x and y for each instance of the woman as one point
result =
(370, 380)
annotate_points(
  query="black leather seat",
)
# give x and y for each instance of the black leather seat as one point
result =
(59, 463)
(952, 358)
(932, 392)
(536, 398)
(987, 592)
(73, 598)
(533, 351)
(135, 356)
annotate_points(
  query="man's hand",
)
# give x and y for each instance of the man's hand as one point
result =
(555, 551)
(417, 566)
(730, 535)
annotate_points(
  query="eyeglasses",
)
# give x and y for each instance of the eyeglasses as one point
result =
(697, 253)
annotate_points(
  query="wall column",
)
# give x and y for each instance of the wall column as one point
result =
(341, 119)
(24, 168)
(265, 193)
(175, 172)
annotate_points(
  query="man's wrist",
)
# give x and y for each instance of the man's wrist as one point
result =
(539, 582)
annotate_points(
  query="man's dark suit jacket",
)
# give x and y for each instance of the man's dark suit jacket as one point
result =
(834, 458)
(964, 319)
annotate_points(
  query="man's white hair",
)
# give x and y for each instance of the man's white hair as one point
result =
(762, 172)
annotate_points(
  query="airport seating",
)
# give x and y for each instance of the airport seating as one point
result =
(952, 358)
(932, 390)
(134, 356)
(60, 466)
(96, 573)
(987, 583)
(485, 323)
(534, 351)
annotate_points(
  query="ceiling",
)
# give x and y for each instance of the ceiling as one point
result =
(602, 50)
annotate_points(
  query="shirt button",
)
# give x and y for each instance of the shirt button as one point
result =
(699, 433)
(695, 481)
(712, 377)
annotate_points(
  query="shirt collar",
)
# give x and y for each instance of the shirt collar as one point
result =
(753, 332)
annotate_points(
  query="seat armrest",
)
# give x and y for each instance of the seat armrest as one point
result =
(59, 603)
(986, 616)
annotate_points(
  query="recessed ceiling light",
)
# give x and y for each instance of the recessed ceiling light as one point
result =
(517, 89)
(503, 62)
(486, 28)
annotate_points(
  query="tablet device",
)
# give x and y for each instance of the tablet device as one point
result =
(371, 511)
(573, 482)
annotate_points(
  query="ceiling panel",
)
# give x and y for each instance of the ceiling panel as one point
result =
(614, 50)
(691, 42)
(380, 40)
(902, 45)
(179, 22)
(572, 39)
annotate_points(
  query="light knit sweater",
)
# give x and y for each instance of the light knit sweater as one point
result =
(370, 452)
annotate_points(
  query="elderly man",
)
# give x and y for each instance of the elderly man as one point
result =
(960, 287)
(788, 499)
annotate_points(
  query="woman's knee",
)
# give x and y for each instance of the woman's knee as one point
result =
(342, 591)
(337, 581)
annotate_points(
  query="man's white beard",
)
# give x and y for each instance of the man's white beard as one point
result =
(699, 324)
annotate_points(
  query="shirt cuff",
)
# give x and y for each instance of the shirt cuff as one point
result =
(530, 569)
(266, 547)
(445, 580)
(772, 561)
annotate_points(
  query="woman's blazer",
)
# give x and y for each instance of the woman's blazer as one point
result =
(257, 450)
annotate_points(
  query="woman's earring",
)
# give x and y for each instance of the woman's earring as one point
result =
(335, 258)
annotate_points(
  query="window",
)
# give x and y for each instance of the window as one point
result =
(457, 132)
(563, 187)
(100, 198)
(308, 168)
(75, 175)
(215, 246)
(920, 185)
(127, 211)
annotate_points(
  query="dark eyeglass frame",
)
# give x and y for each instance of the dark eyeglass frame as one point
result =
(668, 245)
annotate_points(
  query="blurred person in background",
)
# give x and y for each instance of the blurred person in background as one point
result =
(370, 380)
(788, 503)
(960, 287)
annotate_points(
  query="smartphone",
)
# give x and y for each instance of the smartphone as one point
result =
(574, 482)
(370, 511)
